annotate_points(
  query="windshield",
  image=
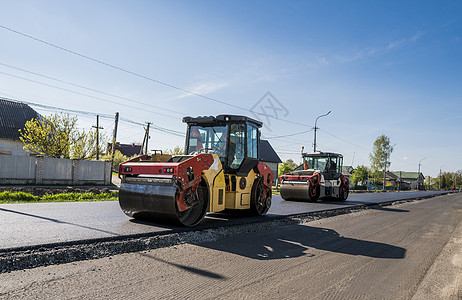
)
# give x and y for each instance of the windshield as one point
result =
(324, 164)
(316, 163)
(211, 139)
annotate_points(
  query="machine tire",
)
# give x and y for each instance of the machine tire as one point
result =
(313, 193)
(196, 213)
(344, 192)
(258, 205)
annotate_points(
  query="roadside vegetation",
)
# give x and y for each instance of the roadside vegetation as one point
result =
(22, 197)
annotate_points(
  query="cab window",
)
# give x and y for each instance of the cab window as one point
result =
(252, 142)
(210, 139)
(236, 151)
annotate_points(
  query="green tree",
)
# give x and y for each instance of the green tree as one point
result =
(443, 181)
(286, 167)
(58, 136)
(380, 156)
(118, 159)
(84, 146)
(381, 152)
(50, 136)
(360, 175)
(177, 150)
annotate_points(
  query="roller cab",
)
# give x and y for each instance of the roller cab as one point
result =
(219, 170)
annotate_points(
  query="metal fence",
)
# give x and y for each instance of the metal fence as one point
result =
(46, 170)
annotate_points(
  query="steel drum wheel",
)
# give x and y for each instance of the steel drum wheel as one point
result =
(315, 191)
(259, 205)
(194, 215)
(344, 191)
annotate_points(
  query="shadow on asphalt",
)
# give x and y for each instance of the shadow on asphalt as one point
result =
(300, 240)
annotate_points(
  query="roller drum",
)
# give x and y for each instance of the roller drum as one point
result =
(295, 191)
(155, 201)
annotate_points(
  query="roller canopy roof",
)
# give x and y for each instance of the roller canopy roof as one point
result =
(221, 119)
(322, 154)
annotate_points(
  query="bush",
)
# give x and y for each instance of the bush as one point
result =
(17, 196)
(12, 197)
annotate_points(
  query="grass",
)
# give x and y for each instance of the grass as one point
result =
(275, 190)
(21, 197)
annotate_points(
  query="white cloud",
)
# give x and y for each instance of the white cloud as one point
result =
(204, 88)
(397, 43)
(416, 36)
(405, 41)
(374, 51)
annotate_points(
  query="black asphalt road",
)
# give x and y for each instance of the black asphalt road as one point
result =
(407, 251)
(34, 224)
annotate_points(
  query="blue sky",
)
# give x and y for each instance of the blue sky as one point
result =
(381, 67)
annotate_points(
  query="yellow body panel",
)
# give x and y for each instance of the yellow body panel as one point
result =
(240, 199)
(216, 184)
(220, 197)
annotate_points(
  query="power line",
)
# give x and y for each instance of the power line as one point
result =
(81, 94)
(143, 76)
(90, 89)
(344, 140)
(106, 116)
(287, 135)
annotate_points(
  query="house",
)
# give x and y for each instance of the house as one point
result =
(126, 149)
(393, 181)
(347, 171)
(409, 180)
(269, 156)
(13, 116)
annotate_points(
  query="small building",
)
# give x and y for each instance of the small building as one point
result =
(409, 180)
(270, 157)
(126, 149)
(347, 171)
(13, 116)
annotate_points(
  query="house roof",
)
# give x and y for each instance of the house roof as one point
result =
(407, 175)
(127, 149)
(267, 152)
(391, 175)
(13, 116)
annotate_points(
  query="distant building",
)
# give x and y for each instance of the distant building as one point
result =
(406, 180)
(270, 157)
(126, 149)
(13, 116)
(347, 171)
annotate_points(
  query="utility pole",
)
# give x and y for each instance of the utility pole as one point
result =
(97, 136)
(418, 174)
(316, 128)
(389, 150)
(114, 137)
(384, 171)
(147, 138)
(439, 184)
(144, 145)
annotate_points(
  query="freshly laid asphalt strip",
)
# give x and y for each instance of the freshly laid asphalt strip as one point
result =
(15, 258)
